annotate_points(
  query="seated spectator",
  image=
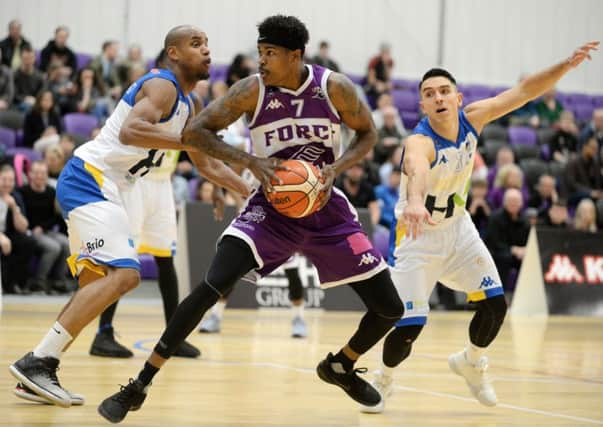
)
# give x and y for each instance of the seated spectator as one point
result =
(42, 124)
(549, 108)
(48, 229)
(28, 81)
(393, 161)
(62, 88)
(507, 236)
(477, 204)
(133, 59)
(544, 195)
(371, 170)
(556, 216)
(387, 197)
(565, 142)
(13, 46)
(526, 115)
(90, 94)
(383, 102)
(480, 169)
(16, 246)
(359, 191)
(67, 143)
(7, 86)
(54, 157)
(379, 74)
(106, 67)
(594, 128)
(389, 137)
(57, 52)
(583, 174)
(508, 176)
(241, 66)
(180, 190)
(323, 59)
(201, 92)
(585, 218)
(204, 191)
(504, 156)
(134, 73)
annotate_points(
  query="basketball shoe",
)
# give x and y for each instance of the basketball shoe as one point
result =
(358, 389)
(298, 328)
(384, 384)
(105, 345)
(187, 350)
(129, 398)
(24, 392)
(475, 377)
(40, 375)
(211, 324)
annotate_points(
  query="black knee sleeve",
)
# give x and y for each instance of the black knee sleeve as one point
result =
(398, 344)
(233, 260)
(487, 320)
(296, 289)
(168, 285)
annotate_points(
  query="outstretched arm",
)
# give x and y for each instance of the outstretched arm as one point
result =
(220, 174)
(154, 101)
(482, 112)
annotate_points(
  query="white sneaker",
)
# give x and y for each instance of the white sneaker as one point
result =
(384, 384)
(298, 328)
(24, 392)
(211, 324)
(475, 376)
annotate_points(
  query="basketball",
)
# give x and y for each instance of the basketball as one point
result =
(297, 195)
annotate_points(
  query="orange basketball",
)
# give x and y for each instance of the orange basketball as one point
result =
(297, 195)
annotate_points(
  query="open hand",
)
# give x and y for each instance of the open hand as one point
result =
(414, 216)
(582, 53)
(327, 177)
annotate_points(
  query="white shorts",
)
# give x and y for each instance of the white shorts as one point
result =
(152, 213)
(97, 223)
(454, 255)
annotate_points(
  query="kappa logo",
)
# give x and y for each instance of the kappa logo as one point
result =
(256, 214)
(367, 258)
(487, 282)
(318, 93)
(275, 104)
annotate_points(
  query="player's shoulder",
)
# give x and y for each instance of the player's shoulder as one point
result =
(244, 92)
(341, 90)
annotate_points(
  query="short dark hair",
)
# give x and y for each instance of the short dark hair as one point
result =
(437, 72)
(107, 44)
(286, 31)
(324, 44)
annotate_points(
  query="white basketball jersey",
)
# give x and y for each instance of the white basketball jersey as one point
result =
(125, 163)
(449, 178)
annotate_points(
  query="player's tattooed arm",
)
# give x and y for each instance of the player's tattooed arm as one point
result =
(356, 115)
(201, 133)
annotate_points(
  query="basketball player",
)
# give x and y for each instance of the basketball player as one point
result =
(152, 213)
(435, 239)
(148, 119)
(213, 322)
(295, 111)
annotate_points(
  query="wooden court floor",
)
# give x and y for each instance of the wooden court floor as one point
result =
(546, 373)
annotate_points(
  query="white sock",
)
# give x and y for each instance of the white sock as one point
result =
(298, 310)
(473, 353)
(218, 309)
(53, 342)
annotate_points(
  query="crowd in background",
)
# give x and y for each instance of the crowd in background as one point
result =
(540, 164)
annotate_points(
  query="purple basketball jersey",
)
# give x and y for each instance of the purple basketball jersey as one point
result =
(301, 124)
(304, 125)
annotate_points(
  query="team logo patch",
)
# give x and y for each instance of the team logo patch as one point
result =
(274, 104)
(367, 259)
(256, 214)
(317, 93)
(487, 282)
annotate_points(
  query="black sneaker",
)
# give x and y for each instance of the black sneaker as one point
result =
(104, 345)
(40, 375)
(357, 388)
(128, 398)
(187, 350)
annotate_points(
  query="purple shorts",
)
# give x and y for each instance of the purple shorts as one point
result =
(332, 239)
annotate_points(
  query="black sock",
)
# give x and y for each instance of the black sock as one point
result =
(147, 373)
(106, 318)
(348, 364)
(168, 285)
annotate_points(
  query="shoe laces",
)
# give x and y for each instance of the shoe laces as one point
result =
(126, 393)
(49, 372)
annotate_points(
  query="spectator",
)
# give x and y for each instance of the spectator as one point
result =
(389, 136)
(504, 156)
(583, 174)
(201, 92)
(544, 195)
(46, 223)
(477, 204)
(384, 101)
(507, 236)
(105, 65)
(379, 73)
(526, 115)
(63, 89)
(134, 59)
(241, 66)
(17, 247)
(586, 216)
(480, 169)
(57, 52)
(393, 161)
(387, 197)
(508, 176)
(564, 143)
(322, 57)
(549, 109)
(359, 191)
(7, 86)
(67, 143)
(371, 170)
(204, 191)
(42, 124)
(556, 215)
(90, 94)
(28, 81)
(594, 128)
(13, 45)
(54, 157)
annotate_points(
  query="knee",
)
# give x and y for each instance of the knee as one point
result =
(125, 279)
(495, 307)
(398, 344)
